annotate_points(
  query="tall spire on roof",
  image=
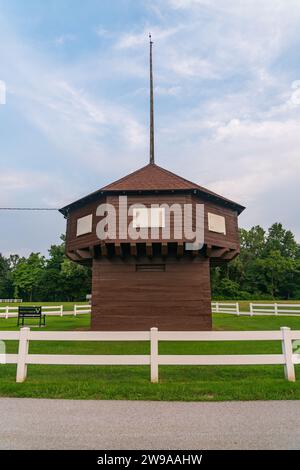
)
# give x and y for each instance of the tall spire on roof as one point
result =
(151, 107)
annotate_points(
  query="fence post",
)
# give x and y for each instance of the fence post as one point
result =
(22, 354)
(61, 310)
(237, 308)
(287, 349)
(75, 310)
(276, 308)
(6, 312)
(251, 309)
(154, 355)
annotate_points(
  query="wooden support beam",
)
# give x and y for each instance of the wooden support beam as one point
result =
(73, 256)
(231, 255)
(92, 251)
(180, 249)
(118, 249)
(164, 249)
(208, 250)
(149, 250)
(133, 249)
(103, 248)
(83, 254)
(218, 252)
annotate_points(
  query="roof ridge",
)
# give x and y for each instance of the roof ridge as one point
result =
(124, 178)
(169, 173)
(177, 176)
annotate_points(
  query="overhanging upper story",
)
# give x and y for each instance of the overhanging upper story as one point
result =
(155, 190)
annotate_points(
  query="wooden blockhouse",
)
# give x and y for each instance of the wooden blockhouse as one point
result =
(156, 280)
(138, 284)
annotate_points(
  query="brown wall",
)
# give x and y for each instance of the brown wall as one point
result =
(229, 240)
(126, 299)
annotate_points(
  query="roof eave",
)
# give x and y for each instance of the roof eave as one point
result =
(90, 198)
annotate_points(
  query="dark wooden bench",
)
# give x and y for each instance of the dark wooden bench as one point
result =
(30, 312)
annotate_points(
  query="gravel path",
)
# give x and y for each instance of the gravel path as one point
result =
(82, 424)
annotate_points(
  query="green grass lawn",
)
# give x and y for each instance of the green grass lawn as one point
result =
(132, 382)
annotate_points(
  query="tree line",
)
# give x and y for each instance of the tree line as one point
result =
(268, 267)
(37, 278)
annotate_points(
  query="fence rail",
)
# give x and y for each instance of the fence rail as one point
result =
(8, 312)
(266, 309)
(274, 309)
(11, 312)
(82, 309)
(225, 307)
(232, 308)
(287, 358)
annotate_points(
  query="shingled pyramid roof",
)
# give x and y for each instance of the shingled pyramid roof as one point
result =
(155, 178)
(148, 178)
(152, 178)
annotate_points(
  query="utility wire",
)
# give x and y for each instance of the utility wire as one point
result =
(28, 209)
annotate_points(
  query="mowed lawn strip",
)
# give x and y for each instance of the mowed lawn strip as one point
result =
(132, 382)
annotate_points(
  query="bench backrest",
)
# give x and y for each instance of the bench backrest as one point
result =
(30, 311)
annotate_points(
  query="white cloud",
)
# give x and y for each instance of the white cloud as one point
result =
(130, 40)
(171, 91)
(18, 186)
(235, 119)
(294, 100)
(75, 123)
(192, 67)
(64, 38)
(103, 32)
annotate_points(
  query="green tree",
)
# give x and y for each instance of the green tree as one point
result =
(252, 242)
(6, 286)
(51, 287)
(279, 239)
(268, 266)
(76, 280)
(63, 279)
(27, 275)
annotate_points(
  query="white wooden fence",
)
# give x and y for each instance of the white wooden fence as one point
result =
(9, 301)
(225, 307)
(8, 312)
(274, 309)
(287, 358)
(82, 309)
(232, 308)
(257, 309)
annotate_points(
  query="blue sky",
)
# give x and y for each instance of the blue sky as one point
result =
(227, 104)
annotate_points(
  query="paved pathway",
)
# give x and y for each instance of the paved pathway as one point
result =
(79, 424)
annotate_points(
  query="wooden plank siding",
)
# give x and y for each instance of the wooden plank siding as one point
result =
(126, 299)
(144, 283)
(230, 240)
